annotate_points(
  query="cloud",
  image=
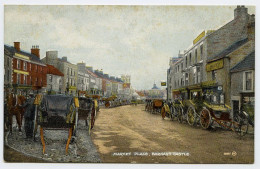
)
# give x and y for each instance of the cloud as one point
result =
(135, 40)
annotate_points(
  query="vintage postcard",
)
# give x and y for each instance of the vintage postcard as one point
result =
(129, 84)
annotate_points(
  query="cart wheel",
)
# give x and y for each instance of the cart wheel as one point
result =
(205, 118)
(240, 125)
(163, 112)
(180, 114)
(191, 116)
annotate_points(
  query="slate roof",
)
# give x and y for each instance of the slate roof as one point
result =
(32, 57)
(53, 70)
(248, 63)
(92, 73)
(228, 50)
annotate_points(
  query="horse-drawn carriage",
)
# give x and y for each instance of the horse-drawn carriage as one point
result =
(111, 101)
(155, 105)
(215, 111)
(205, 105)
(56, 112)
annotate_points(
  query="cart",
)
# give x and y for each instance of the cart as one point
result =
(157, 105)
(56, 112)
(86, 111)
(215, 111)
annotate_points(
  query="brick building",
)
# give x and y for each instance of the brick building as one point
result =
(28, 71)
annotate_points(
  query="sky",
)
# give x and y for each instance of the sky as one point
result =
(134, 40)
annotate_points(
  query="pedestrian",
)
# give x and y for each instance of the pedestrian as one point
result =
(29, 116)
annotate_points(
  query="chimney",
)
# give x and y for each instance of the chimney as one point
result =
(251, 27)
(17, 46)
(35, 51)
(241, 11)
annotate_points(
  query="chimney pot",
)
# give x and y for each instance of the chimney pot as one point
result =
(17, 46)
(35, 51)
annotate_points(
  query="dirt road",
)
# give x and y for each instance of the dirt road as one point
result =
(128, 134)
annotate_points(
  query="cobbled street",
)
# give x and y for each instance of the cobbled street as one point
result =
(128, 134)
(82, 150)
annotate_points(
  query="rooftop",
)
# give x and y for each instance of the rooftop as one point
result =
(31, 56)
(248, 63)
(228, 50)
(53, 70)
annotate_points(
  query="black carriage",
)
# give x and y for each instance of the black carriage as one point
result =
(55, 112)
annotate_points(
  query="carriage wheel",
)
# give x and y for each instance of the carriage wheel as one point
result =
(205, 118)
(163, 112)
(191, 116)
(240, 125)
(180, 114)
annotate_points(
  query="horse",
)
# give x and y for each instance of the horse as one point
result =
(14, 106)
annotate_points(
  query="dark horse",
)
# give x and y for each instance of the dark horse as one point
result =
(14, 107)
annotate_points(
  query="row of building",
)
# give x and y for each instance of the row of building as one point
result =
(222, 60)
(26, 71)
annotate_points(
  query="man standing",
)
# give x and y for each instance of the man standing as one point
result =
(29, 116)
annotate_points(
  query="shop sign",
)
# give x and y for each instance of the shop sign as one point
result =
(21, 72)
(199, 37)
(163, 83)
(209, 83)
(22, 56)
(215, 65)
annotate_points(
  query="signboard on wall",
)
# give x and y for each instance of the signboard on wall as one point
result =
(215, 65)
(163, 83)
